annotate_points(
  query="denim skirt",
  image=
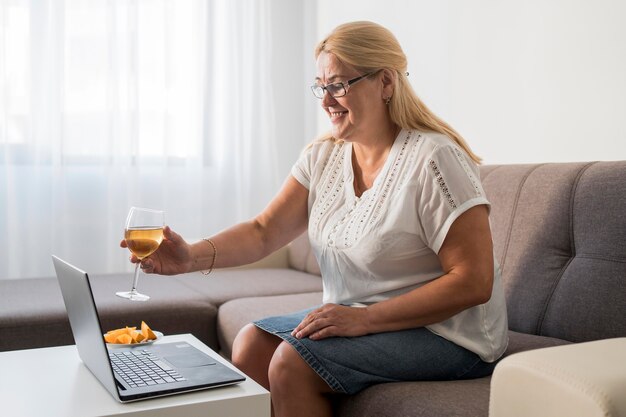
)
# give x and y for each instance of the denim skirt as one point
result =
(350, 364)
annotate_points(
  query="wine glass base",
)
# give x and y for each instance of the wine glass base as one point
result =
(133, 295)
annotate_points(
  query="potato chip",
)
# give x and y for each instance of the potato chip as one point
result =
(130, 335)
(109, 338)
(123, 330)
(147, 331)
(124, 339)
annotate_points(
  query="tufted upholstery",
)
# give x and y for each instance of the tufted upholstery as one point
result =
(560, 236)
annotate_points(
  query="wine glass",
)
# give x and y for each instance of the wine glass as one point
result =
(143, 234)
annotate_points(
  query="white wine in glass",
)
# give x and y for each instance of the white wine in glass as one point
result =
(143, 235)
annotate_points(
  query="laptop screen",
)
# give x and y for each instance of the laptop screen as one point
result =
(168, 368)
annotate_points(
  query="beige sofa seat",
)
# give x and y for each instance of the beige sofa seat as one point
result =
(579, 380)
(235, 314)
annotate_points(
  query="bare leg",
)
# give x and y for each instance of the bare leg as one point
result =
(253, 349)
(296, 389)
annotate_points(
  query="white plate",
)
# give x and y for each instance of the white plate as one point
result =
(159, 335)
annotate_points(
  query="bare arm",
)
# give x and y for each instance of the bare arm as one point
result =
(466, 257)
(284, 219)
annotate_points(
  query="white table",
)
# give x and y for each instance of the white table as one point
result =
(54, 382)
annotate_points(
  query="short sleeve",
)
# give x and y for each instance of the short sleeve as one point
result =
(303, 168)
(451, 186)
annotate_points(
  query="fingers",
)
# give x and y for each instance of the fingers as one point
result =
(169, 234)
(308, 330)
(314, 322)
(333, 320)
(147, 266)
(297, 332)
(329, 331)
(171, 258)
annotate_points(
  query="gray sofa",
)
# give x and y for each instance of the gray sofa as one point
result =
(559, 231)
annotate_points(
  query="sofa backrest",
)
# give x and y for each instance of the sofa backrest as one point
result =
(301, 257)
(559, 232)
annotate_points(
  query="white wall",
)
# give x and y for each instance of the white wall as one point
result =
(522, 81)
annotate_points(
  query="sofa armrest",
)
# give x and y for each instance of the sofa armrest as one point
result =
(582, 379)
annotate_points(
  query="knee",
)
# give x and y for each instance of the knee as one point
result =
(246, 345)
(286, 368)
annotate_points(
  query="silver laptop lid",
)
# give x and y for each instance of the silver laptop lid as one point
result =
(85, 323)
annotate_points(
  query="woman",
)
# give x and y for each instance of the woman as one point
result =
(398, 220)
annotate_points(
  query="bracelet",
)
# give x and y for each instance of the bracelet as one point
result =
(214, 256)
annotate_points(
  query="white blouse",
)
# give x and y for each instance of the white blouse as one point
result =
(385, 243)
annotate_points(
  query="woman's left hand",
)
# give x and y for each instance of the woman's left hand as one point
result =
(333, 320)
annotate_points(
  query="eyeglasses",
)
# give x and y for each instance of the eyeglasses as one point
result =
(336, 89)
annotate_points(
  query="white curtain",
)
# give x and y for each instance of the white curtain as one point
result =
(110, 104)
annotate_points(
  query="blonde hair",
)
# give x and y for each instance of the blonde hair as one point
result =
(368, 47)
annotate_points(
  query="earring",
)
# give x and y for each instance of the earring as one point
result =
(388, 100)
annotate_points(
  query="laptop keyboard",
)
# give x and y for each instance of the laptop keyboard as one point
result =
(140, 368)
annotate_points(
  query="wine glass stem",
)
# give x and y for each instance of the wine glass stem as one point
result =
(136, 278)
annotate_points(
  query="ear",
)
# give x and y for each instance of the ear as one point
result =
(388, 80)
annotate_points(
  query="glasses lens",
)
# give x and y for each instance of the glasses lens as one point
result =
(318, 91)
(336, 90)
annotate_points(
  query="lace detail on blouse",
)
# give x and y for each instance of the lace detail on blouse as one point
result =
(365, 212)
(332, 181)
(468, 171)
(411, 159)
(391, 176)
(442, 183)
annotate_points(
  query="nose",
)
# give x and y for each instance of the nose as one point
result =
(328, 100)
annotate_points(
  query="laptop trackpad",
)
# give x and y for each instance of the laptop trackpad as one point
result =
(189, 360)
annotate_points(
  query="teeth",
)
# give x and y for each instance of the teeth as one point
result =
(337, 113)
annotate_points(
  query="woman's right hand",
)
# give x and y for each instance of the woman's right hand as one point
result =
(173, 256)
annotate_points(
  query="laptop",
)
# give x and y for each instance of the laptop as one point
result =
(138, 372)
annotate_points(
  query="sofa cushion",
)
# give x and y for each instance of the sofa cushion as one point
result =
(521, 342)
(33, 315)
(580, 380)
(559, 232)
(301, 257)
(235, 314)
(466, 398)
(589, 301)
(225, 285)
(33, 311)
(534, 229)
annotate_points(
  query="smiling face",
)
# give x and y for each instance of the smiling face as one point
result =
(359, 114)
